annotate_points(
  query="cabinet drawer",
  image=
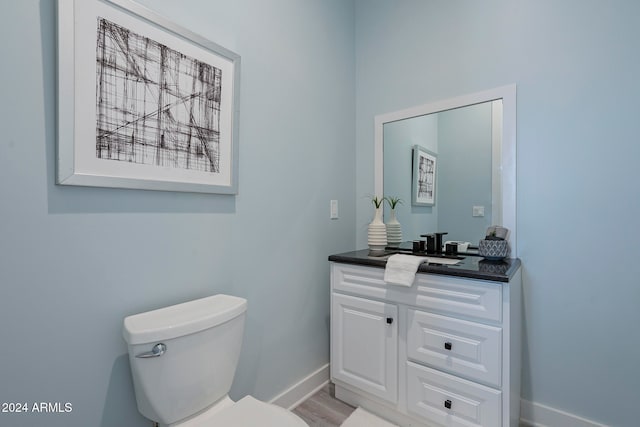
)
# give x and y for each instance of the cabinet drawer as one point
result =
(451, 401)
(469, 349)
(442, 294)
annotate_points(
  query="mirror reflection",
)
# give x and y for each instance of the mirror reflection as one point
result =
(466, 143)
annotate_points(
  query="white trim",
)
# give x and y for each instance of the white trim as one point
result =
(303, 389)
(537, 415)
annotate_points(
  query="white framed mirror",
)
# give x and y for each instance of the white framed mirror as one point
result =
(474, 139)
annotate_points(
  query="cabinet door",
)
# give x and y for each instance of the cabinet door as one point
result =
(364, 345)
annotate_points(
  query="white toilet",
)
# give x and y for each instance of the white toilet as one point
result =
(183, 359)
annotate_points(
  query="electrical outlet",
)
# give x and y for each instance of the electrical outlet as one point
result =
(478, 211)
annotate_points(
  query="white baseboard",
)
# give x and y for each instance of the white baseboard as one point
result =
(303, 389)
(534, 414)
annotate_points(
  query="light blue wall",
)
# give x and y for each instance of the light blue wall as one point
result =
(75, 261)
(576, 67)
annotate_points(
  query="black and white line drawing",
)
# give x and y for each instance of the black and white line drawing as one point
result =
(425, 178)
(155, 105)
(423, 186)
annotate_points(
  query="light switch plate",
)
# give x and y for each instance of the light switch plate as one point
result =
(478, 211)
(334, 209)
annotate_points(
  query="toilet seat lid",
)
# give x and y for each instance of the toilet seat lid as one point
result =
(249, 412)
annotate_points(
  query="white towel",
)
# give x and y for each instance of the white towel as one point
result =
(401, 269)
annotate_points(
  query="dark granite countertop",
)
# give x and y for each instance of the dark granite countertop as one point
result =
(470, 265)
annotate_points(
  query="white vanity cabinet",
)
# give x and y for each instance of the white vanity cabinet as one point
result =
(443, 352)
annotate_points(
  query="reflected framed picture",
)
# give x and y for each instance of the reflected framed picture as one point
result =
(142, 102)
(423, 186)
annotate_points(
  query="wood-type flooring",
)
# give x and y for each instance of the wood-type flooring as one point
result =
(323, 410)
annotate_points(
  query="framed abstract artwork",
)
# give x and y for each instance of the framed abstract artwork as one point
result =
(142, 102)
(423, 186)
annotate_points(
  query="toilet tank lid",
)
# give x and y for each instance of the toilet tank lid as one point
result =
(182, 319)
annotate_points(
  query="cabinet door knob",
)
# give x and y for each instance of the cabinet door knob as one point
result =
(389, 320)
(447, 346)
(447, 404)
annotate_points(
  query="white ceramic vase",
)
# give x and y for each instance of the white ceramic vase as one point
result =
(377, 236)
(394, 230)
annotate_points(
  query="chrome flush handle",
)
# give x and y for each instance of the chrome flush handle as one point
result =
(157, 351)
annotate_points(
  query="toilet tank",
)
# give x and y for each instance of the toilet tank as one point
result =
(202, 341)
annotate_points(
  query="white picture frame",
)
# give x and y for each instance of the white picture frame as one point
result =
(142, 102)
(423, 185)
